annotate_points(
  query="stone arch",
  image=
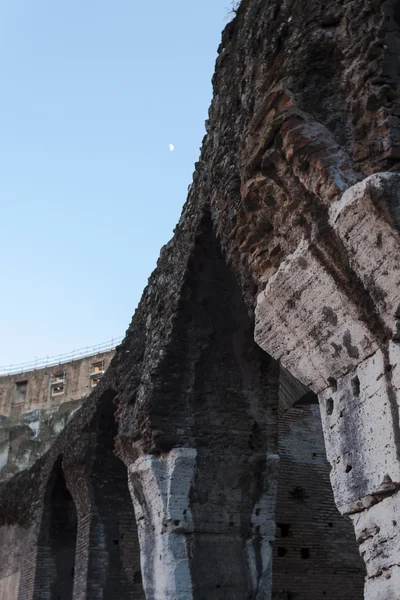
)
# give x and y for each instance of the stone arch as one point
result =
(317, 317)
(114, 556)
(57, 540)
(329, 314)
(315, 552)
(204, 483)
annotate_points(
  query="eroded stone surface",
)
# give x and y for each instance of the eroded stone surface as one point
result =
(9, 587)
(305, 320)
(364, 219)
(160, 492)
(376, 530)
(306, 105)
(361, 428)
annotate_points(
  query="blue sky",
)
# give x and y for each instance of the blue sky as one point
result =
(93, 92)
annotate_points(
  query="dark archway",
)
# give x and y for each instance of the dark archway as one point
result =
(315, 552)
(114, 554)
(55, 563)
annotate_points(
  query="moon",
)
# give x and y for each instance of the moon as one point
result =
(171, 147)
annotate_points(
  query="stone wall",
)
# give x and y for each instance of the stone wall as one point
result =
(315, 551)
(287, 255)
(35, 406)
(9, 587)
(73, 528)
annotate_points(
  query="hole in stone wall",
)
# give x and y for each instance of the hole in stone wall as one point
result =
(298, 494)
(329, 406)
(355, 386)
(305, 553)
(21, 388)
(282, 551)
(348, 468)
(137, 578)
(333, 383)
(284, 528)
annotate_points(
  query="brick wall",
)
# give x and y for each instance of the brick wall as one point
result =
(83, 542)
(17, 561)
(55, 563)
(315, 553)
(114, 564)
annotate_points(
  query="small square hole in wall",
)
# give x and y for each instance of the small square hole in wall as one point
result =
(285, 529)
(282, 551)
(305, 553)
(298, 494)
(21, 389)
(94, 381)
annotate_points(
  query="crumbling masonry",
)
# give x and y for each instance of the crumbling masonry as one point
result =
(279, 289)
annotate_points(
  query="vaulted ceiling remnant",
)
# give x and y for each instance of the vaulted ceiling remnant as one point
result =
(281, 284)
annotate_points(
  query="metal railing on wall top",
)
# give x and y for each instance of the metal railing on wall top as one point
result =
(52, 361)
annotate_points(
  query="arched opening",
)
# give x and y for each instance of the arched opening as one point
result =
(315, 555)
(206, 491)
(55, 563)
(202, 493)
(114, 555)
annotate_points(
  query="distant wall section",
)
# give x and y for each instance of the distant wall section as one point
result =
(36, 405)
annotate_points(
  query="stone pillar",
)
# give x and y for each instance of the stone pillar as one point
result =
(341, 337)
(360, 417)
(206, 523)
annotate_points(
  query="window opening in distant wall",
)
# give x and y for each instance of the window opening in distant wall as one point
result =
(57, 384)
(96, 373)
(21, 390)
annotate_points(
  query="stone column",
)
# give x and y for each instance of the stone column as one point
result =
(360, 417)
(206, 523)
(160, 489)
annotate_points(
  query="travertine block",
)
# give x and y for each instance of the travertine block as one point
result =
(9, 587)
(360, 423)
(305, 320)
(372, 243)
(376, 530)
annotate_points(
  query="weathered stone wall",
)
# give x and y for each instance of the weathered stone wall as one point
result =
(9, 587)
(13, 539)
(32, 414)
(315, 551)
(288, 239)
(79, 487)
(77, 384)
